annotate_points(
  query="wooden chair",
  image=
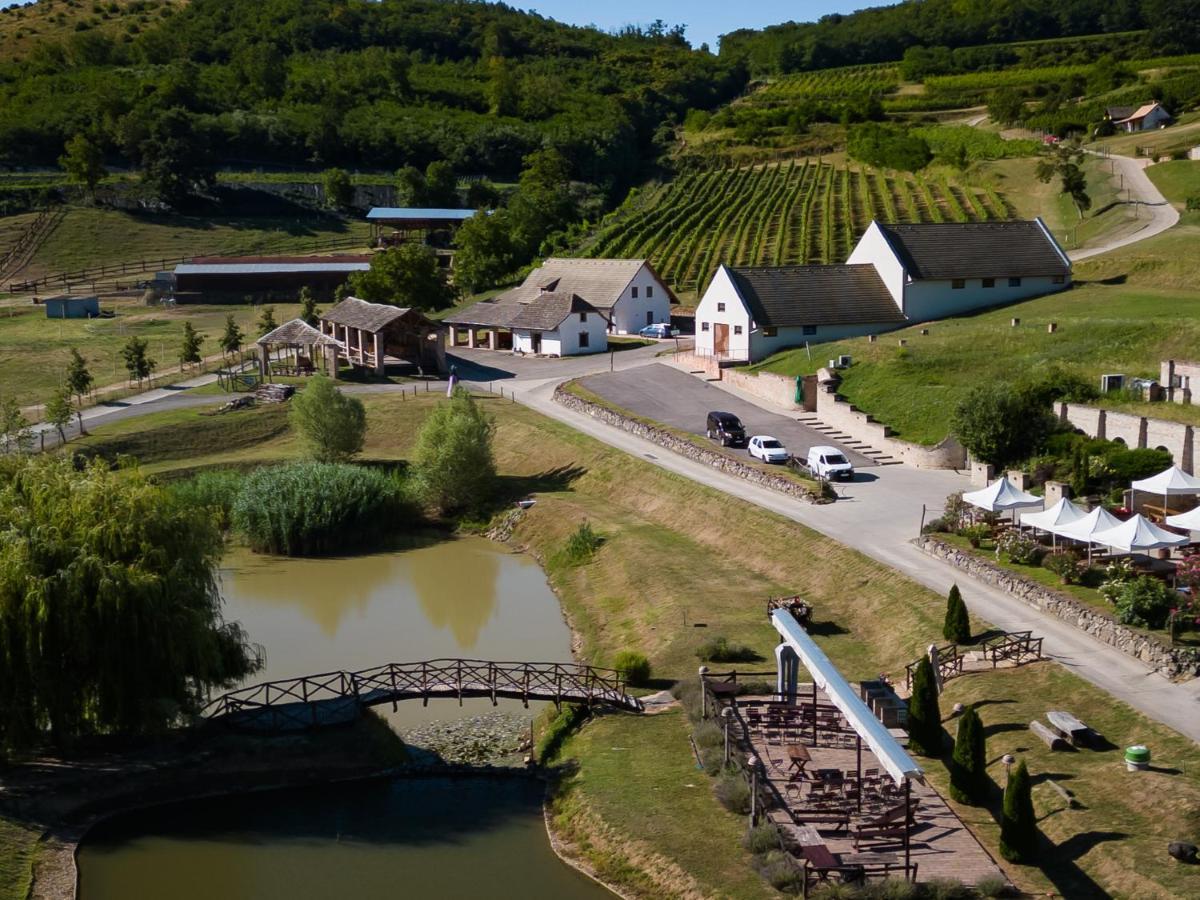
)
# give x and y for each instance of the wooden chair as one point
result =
(888, 826)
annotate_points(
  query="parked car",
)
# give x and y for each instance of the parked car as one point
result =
(829, 463)
(768, 449)
(726, 428)
(661, 331)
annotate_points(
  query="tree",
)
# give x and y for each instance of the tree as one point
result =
(485, 252)
(231, 337)
(924, 713)
(407, 275)
(14, 427)
(189, 349)
(176, 157)
(441, 185)
(957, 627)
(482, 194)
(79, 379)
(410, 186)
(1018, 825)
(83, 162)
(1064, 162)
(503, 91)
(968, 767)
(1006, 107)
(137, 363)
(58, 410)
(542, 203)
(309, 313)
(266, 320)
(111, 611)
(1000, 424)
(331, 424)
(453, 461)
(339, 190)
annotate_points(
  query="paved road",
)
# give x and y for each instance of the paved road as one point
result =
(682, 401)
(1156, 215)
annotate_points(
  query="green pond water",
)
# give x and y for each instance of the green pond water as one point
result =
(424, 838)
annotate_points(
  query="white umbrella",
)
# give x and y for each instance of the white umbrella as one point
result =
(1169, 482)
(1063, 512)
(1189, 520)
(1001, 495)
(1099, 519)
(1138, 535)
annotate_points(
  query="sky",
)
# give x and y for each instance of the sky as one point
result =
(706, 20)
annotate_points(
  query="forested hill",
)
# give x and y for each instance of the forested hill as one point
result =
(883, 34)
(377, 84)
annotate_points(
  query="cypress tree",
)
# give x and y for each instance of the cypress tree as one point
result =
(924, 714)
(968, 768)
(1018, 829)
(957, 627)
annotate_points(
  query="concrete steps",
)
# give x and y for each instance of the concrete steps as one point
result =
(876, 456)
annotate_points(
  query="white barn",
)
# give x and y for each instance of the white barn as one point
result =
(559, 324)
(897, 275)
(1146, 117)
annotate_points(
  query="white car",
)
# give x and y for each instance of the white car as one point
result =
(830, 463)
(768, 449)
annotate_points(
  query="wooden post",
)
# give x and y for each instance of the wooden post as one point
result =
(814, 711)
(858, 761)
(703, 693)
(907, 823)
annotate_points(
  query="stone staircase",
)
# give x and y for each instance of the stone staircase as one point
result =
(876, 456)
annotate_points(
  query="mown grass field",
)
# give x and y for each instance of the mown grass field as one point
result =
(677, 554)
(1128, 311)
(35, 350)
(1178, 180)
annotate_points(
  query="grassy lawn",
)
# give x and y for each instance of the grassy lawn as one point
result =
(1128, 311)
(18, 846)
(677, 556)
(34, 350)
(1178, 180)
(90, 237)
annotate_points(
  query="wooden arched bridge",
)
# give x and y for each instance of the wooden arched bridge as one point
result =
(332, 698)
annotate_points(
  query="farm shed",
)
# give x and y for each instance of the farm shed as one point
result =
(392, 225)
(67, 307)
(370, 334)
(220, 278)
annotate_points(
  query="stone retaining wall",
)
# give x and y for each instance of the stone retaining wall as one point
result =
(689, 449)
(1134, 431)
(1174, 662)
(838, 413)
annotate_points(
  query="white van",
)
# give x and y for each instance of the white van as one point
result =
(829, 463)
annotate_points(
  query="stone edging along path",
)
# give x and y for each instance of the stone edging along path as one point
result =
(1173, 662)
(683, 447)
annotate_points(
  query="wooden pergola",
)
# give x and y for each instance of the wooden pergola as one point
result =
(368, 333)
(293, 349)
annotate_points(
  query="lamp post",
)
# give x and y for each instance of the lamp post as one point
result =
(726, 718)
(703, 693)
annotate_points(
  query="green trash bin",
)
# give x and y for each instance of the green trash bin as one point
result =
(1137, 757)
(799, 390)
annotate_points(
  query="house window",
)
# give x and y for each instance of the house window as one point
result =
(737, 329)
(809, 329)
(1014, 282)
(720, 307)
(583, 317)
(1058, 279)
(649, 291)
(989, 282)
(704, 326)
(584, 337)
(958, 284)
(635, 292)
(769, 332)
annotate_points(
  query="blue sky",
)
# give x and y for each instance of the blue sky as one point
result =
(705, 19)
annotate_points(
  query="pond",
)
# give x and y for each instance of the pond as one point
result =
(430, 838)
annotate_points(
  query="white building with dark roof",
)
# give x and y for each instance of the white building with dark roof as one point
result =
(897, 275)
(1146, 117)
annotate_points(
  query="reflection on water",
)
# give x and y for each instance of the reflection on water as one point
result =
(434, 838)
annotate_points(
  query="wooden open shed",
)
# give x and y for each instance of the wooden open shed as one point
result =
(296, 348)
(369, 334)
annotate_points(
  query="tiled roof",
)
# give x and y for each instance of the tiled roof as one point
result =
(486, 313)
(947, 250)
(598, 281)
(366, 316)
(1140, 113)
(547, 311)
(783, 296)
(299, 332)
(1119, 112)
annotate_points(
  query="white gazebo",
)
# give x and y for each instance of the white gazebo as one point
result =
(1189, 520)
(1000, 496)
(1064, 512)
(1169, 483)
(1138, 535)
(1084, 529)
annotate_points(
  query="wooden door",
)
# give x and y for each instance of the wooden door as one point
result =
(720, 338)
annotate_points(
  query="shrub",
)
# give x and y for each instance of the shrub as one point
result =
(936, 526)
(1018, 547)
(215, 491)
(453, 459)
(581, 546)
(1127, 465)
(709, 734)
(924, 713)
(331, 424)
(1002, 424)
(1145, 602)
(957, 626)
(721, 649)
(991, 886)
(1064, 564)
(1018, 827)
(633, 666)
(560, 727)
(780, 872)
(968, 768)
(976, 534)
(733, 792)
(761, 838)
(946, 889)
(889, 889)
(307, 509)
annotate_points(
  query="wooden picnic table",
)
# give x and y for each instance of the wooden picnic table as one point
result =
(798, 757)
(806, 836)
(1069, 727)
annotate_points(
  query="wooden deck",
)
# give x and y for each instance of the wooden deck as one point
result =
(941, 846)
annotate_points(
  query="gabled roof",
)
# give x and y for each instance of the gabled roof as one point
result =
(548, 310)
(297, 331)
(365, 316)
(1119, 112)
(1128, 114)
(947, 250)
(267, 265)
(486, 313)
(401, 213)
(598, 281)
(783, 296)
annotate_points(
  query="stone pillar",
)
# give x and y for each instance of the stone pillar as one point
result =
(1055, 491)
(377, 339)
(981, 473)
(331, 359)
(471, 336)
(492, 339)
(262, 360)
(1019, 478)
(440, 352)
(1187, 460)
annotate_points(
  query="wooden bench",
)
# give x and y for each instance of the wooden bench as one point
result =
(1070, 728)
(1052, 738)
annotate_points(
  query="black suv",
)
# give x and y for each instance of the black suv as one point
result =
(726, 428)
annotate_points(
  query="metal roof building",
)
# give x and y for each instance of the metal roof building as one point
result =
(273, 277)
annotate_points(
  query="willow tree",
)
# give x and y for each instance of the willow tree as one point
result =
(110, 616)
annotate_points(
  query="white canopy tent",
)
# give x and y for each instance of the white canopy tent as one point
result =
(1189, 520)
(1138, 535)
(1099, 519)
(1000, 496)
(1061, 513)
(1169, 483)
